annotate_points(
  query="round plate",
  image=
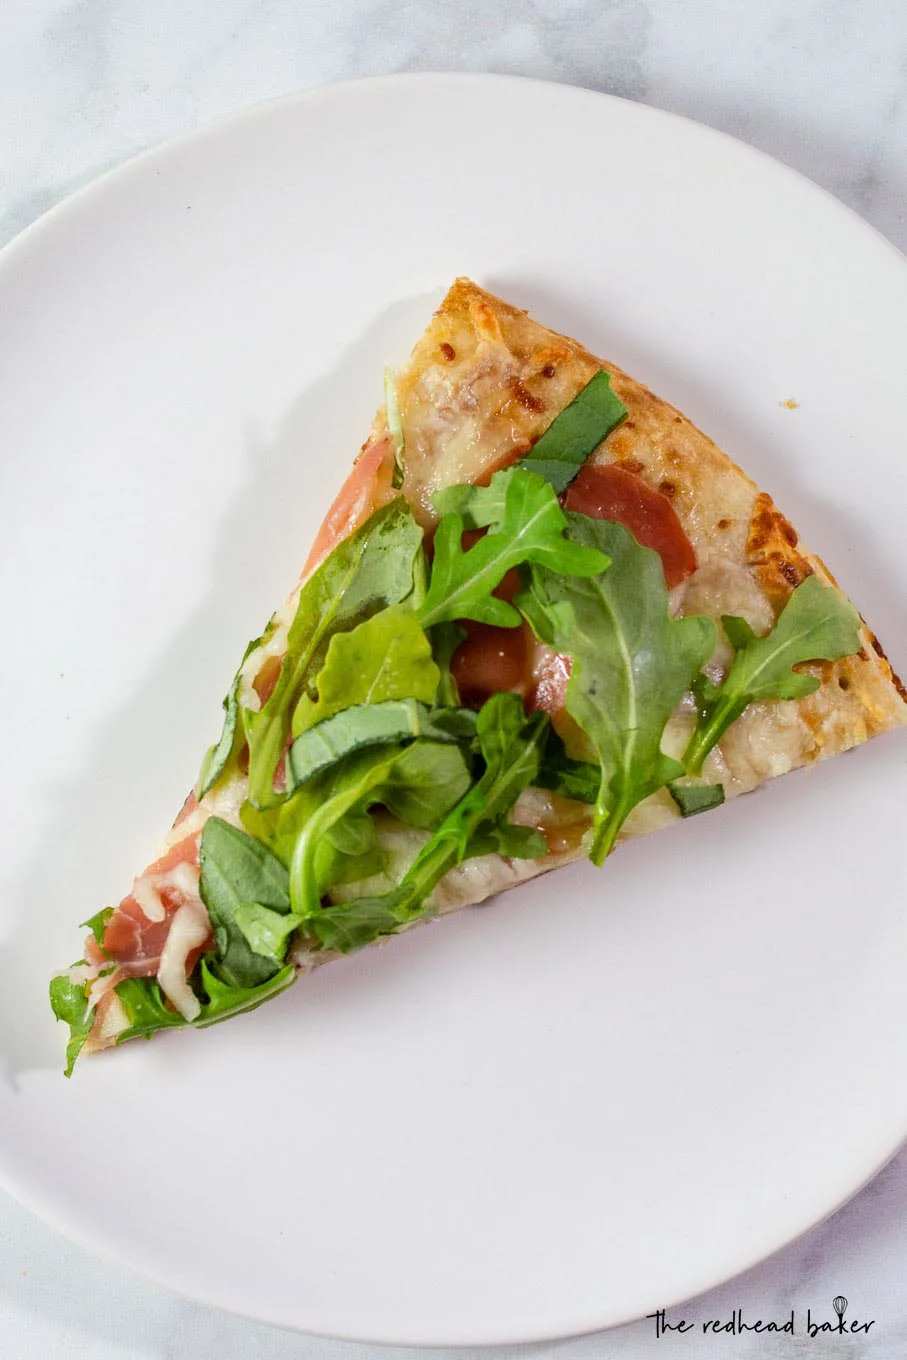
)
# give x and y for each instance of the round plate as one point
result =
(612, 1088)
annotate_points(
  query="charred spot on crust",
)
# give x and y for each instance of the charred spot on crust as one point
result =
(549, 371)
(667, 489)
(527, 400)
(843, 682)
(880, 653)
(632, 465)
(771, 551)
(448, 351)
(724, 523)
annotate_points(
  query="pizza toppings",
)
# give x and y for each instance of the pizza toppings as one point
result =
(354, 707)
(816, 624)
(189, 932)
(609, 491)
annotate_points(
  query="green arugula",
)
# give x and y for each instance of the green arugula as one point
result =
(445, 639)
(70, 1004)
(418, 783)
(97, 924)
(386, 657)
(365, 573)
(530, 529)
(816, 624)
(579, 780)
(147, 1011)
(511, 746)
(631, 664)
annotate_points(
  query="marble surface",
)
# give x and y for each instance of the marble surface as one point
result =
(820, 84)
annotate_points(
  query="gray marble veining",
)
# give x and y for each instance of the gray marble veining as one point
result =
(822, 85)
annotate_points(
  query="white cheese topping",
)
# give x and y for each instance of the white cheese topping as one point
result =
(188, 929)
(145, 892)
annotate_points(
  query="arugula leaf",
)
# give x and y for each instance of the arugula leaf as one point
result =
(579, 429)
(147, 1011)
(578, 780)
(445, 639)
(507, 839)
(97, 924)
(267, 932)
(437, 772)
(386, 657)
(816, 624)
(366, 572)
(631, 664)
(479, 506)
(383, 724)
(218, 756)
(70, 1004)
(694, 798)
(511, 745)
(531, 529)
(425, 782)
(225, 1000)
(235, 871)
(349, 851)
(226, 750)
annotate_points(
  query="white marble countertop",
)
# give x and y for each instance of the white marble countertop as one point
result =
(85, 84)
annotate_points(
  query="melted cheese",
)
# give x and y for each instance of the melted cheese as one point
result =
(189, 929)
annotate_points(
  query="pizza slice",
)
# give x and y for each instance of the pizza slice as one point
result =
(543, 614)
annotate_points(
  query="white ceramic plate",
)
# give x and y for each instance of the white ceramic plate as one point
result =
(611, 1089)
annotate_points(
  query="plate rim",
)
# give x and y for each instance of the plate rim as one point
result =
(138, 163)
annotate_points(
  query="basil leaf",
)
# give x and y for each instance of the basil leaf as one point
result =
(531, 529)
(237, 870)
(816, 624)
(70, 1004)
(631, 664)
(576, 432)
(383, 724)
(694, 798)
(366, 572)
(386, 657)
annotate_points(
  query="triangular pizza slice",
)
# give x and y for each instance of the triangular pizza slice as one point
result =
(544, 613)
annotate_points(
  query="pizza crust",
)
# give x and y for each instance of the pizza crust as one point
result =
(482, 385)
(485, 359)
